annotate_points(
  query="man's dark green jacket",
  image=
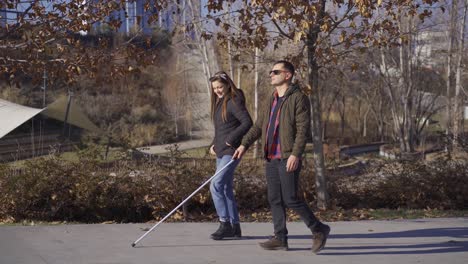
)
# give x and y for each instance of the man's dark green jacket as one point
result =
(294, 124)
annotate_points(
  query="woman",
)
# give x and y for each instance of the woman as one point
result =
(231, 121)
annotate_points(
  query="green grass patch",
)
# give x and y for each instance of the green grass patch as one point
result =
(73, 156)
(196, 152)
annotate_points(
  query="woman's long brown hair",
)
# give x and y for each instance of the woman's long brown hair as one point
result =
(231, 93)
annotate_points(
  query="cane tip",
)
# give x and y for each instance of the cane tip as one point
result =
(133, 244)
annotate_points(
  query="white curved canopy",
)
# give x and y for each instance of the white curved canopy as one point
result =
(13, 115)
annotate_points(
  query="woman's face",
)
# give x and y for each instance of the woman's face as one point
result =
(218, 88)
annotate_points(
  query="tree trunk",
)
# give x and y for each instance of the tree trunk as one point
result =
(229, 46)
(342, 116)
(176, 117)
(359, 120)
(380, 115)
(381, 129)
(409, 89)
(458, 85)
(206, 63)
(451, 34)
(239, 71)
(231, 64)
(257, 54)
(319, 161)
(364, 125)
(406, 88)
(196, 9)
(328, 113)
(402, 87)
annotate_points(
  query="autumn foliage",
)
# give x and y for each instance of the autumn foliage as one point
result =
(52, 36)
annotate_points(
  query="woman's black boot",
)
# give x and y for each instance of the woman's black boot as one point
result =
(224, 230)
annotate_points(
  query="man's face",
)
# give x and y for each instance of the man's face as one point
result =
(279, 75)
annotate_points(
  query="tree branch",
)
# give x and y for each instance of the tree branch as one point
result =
(281, 31)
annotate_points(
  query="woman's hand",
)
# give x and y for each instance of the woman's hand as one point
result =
(239, 152)
(212, 151)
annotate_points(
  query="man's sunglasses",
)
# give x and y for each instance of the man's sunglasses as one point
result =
(277, 72)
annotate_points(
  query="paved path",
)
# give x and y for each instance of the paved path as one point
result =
(183, 145)
(435, 241)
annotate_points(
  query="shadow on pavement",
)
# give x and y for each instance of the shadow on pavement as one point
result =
(450, 246)
(432, 248)
(456, 232)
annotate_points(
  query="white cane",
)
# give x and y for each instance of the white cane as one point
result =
(186, 199)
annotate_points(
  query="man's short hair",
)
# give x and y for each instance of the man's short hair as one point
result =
(287, 65)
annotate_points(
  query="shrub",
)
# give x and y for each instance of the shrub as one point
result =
(418, 185)
(52, 189)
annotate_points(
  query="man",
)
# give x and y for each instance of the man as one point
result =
(284, 125)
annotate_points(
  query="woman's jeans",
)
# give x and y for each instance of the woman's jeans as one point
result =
(222, 190)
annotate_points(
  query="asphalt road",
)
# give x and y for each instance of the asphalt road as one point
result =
(364, 242)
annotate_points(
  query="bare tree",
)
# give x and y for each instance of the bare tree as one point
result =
(458, 116)
(256, 83)
(452, 36)
(313, 24)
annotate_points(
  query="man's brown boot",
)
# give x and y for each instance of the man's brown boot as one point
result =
(320, 238)
(275, 243)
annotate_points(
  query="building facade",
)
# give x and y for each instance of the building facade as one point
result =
(133, 16)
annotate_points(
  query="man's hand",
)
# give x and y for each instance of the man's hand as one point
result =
(212, 151)
(239, 152)
(292, 163)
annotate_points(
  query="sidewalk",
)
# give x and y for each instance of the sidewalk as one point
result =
(183, 145)
(430, 241)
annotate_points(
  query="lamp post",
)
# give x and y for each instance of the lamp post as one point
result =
(44, 86)
(70, 95)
